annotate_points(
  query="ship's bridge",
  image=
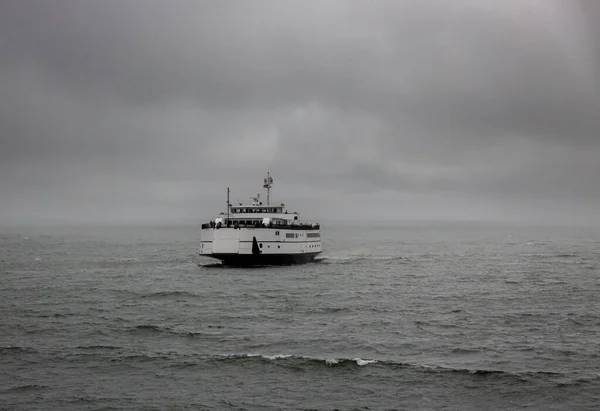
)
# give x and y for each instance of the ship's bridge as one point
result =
(253, 209)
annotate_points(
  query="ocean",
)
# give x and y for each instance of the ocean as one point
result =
(404, 317)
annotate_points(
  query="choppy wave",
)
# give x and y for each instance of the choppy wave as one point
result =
(167, 330)
(24, 388)
(551, 255)
(16, 350)
(98, 347)
(167, 294)
(297, 360)
(211, 265)
(51, 315)
(358, 259)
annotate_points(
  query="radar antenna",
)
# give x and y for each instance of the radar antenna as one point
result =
(256, 200)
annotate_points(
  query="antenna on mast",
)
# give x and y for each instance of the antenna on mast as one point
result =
(267, 184)
(228, 204)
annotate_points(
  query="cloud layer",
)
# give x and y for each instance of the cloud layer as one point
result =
(146, 110)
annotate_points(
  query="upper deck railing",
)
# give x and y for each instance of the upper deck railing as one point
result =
(232, 224)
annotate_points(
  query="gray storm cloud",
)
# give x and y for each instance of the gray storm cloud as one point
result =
(147, 110)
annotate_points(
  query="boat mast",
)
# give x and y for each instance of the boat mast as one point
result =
(267, 185)
(228, 205)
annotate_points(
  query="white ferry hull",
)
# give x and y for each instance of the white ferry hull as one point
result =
(260, 246)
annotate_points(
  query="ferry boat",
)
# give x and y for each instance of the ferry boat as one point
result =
(260, 234)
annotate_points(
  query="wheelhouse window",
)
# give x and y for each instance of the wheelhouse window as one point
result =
(256, 209)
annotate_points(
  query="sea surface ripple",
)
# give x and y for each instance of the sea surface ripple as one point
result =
(415, 317)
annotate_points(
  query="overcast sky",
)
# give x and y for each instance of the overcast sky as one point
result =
(146, 110)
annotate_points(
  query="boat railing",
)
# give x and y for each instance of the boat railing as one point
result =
(232, 224)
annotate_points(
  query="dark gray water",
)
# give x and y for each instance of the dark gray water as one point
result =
(459, 317)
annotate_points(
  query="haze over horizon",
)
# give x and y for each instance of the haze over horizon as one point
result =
(146, 111)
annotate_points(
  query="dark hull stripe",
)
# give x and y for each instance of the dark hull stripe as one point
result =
(245, 260)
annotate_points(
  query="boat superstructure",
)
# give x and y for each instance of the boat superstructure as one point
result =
(260, 234)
